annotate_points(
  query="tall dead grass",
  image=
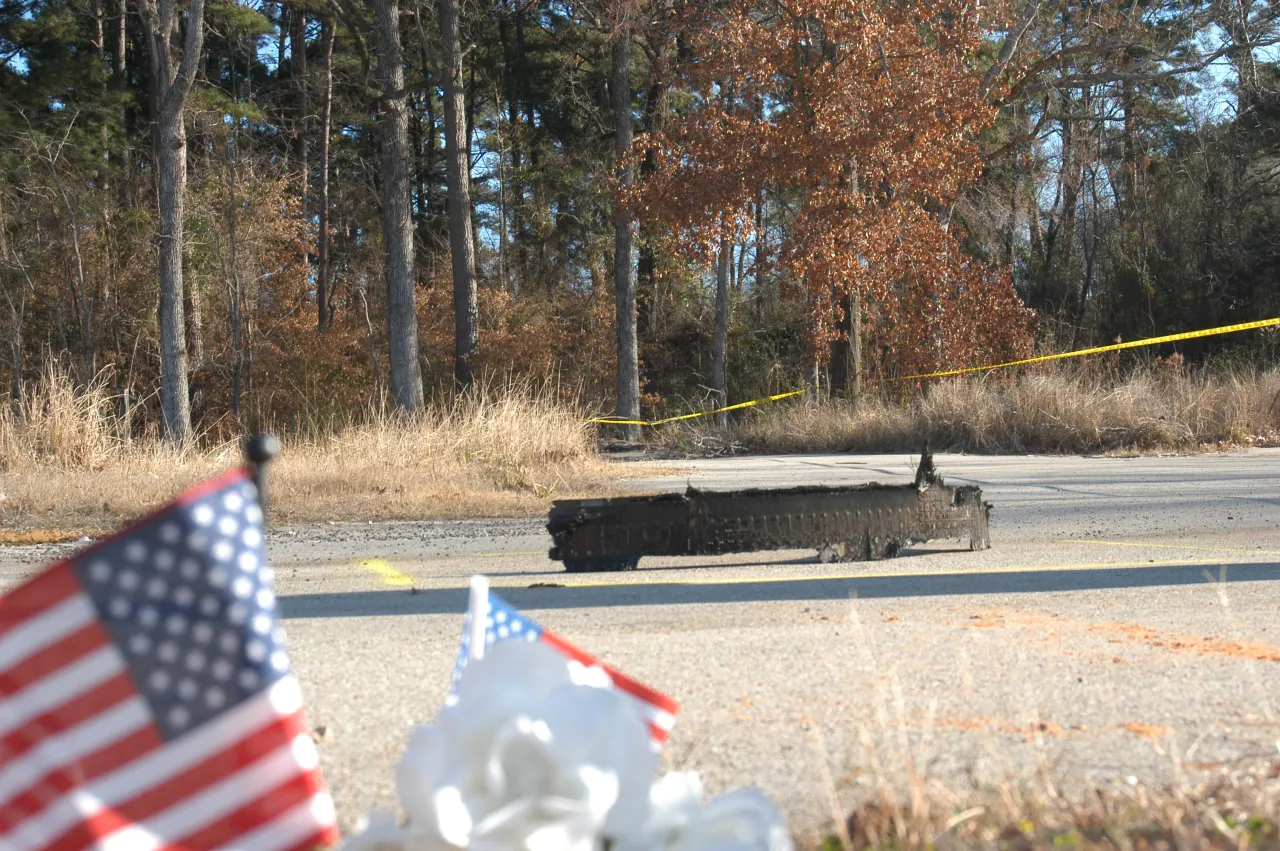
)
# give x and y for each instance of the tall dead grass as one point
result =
(1235, 809)
(1049, 410)
(57, 425)
(900, 802)
(505, 449)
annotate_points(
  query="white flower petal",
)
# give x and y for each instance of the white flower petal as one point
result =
(674, 801)
(453, 819)
(527, 758)
(743, 820)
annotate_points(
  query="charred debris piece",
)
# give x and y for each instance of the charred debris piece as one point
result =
(855, 523)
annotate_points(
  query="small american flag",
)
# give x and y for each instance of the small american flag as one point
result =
(504, 622)
(145, 696)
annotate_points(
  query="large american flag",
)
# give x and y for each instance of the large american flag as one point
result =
(504, 622)
(145, 696)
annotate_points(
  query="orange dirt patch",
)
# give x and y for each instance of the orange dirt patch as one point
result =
(1129, 633)
(1148, 731)
(960, 723)
(1043, 728)
(15, 537)
(1208, 646)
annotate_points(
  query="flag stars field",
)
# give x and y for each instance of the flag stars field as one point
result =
(139, 604)
(147, 710)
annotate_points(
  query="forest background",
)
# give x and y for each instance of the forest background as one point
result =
(217, 215)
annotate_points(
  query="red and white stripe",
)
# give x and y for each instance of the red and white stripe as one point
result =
(656, 709)
(83, 765)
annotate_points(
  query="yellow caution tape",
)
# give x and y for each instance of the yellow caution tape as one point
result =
(739, 406)
(1114, 347)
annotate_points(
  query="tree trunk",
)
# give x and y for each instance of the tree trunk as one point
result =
(171, 86)
(171, 169)
(624, 238)
(720, 342)
(282, 20)
(121, 43)
(470, 97)
(458, 175)
(513, 193)
(326, 118)
(237, 332)
(298, 70)
(120, 83)
(17, 312)
(193, 311)
(397, 224)
(812, 381)
(845, 365)
(655, 113)
(855, 342)
(762, 251)
(840, 349)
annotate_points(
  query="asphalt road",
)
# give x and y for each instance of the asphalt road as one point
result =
(1123, 628)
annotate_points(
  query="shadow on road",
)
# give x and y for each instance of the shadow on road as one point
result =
(454, 601)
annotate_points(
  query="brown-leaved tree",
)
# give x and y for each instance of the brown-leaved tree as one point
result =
(859, 119)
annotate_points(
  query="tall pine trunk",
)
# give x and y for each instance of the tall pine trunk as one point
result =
(458, 178)
(624, 239)
(171, 171)
(298, 70)
(171, 86)
(397, 224)
(326, 118)
(237, 331)
(720, 342)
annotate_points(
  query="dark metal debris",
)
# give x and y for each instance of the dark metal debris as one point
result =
(854, 523)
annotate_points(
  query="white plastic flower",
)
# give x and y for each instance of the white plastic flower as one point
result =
(743, 820)
(528, 758)
(538, 753)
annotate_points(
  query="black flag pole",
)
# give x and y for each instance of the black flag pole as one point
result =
(258, 450)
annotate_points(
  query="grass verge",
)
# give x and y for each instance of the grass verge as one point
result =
(1235, 810)
(505, 450)
(1051, 410)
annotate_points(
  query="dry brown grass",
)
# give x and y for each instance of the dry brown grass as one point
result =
(1237, 809)
(505, 450)
(1048, 410)
(900, 805)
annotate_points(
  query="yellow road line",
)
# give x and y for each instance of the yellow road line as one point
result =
(1168, 546)
(388, 574)
(744, 580)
